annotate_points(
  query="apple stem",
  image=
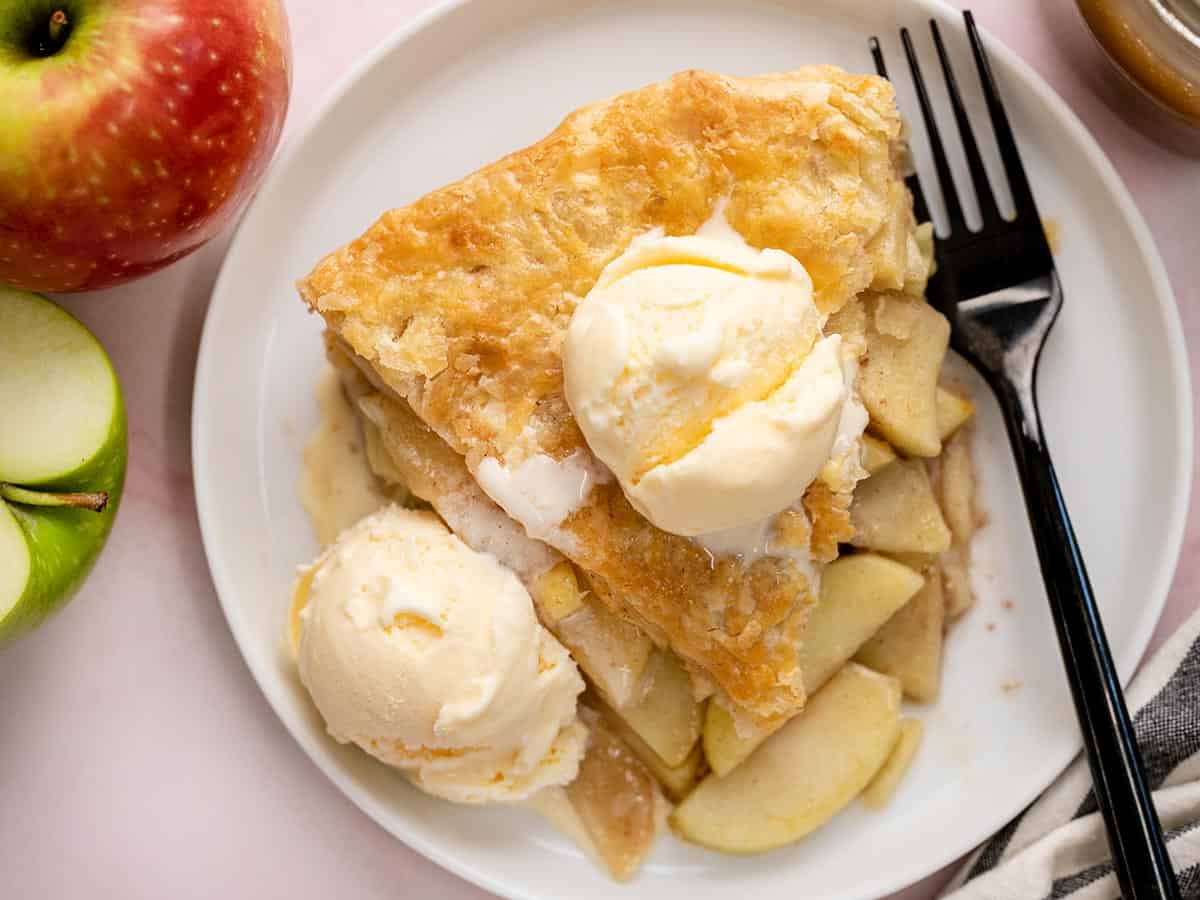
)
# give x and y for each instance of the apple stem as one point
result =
(14, 494)
(58, 21)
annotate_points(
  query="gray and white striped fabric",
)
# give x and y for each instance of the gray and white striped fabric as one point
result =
(1056, 847)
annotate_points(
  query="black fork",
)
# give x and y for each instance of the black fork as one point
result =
(1000, 291)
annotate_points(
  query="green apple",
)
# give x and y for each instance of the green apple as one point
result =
(62, 457)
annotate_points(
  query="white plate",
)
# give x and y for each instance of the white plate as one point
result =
(475, 80)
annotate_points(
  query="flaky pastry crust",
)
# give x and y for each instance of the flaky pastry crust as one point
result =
(459, 302)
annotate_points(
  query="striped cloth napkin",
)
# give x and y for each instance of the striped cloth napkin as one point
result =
(1056, 848)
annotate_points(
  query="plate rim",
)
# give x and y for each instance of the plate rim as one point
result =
(899, 877)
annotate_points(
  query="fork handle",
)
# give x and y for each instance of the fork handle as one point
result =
(1140, 858)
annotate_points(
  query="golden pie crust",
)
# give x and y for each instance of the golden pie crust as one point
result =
(457, 305)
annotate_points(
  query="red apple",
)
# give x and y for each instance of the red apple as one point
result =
(131, 131)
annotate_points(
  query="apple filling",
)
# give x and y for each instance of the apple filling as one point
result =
(758, 692)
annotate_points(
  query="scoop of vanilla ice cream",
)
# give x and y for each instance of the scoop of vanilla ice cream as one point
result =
(697, 371)
(429, 656)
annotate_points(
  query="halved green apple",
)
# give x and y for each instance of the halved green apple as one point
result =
(62, 457)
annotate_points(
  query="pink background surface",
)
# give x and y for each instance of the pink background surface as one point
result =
(137, 757)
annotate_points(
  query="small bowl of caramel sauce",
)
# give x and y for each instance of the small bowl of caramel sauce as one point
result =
(1155, 45)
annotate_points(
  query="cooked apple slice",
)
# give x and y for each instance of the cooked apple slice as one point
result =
(554, 805)
(727, 746)
(906, 344)
(953, 410)
(556, 593)
(676, 781)
(803, 774)
(667, 717)
(895, 511)
(909, 646)
(859, 594)
(850, 322)
(883, 786)
(877, 453)
(617, 799)
(923, 267)
(918, 562)
(956, 488)
(379, 461)
(612, 652)
(956, 582)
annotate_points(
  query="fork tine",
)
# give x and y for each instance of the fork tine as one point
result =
(877, 55)
(983, 189)
(912, 182)
(1017, 182)
(953, 208)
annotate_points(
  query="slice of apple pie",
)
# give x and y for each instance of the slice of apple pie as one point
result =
(458, 308)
